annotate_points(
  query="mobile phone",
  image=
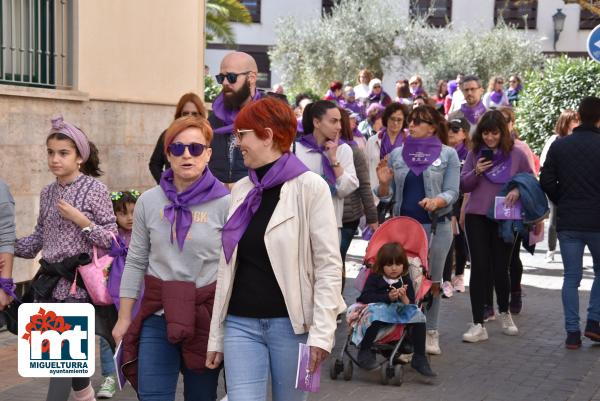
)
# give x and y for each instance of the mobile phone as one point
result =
(487, 154)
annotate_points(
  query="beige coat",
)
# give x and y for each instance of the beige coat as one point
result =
(303, 247)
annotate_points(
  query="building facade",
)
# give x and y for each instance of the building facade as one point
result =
(114, 68)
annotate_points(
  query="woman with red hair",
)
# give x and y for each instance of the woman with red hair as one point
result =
(279, 281)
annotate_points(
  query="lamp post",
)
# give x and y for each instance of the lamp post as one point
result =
(559, 23)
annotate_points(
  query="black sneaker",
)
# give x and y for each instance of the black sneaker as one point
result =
(573, 340)
(592, 330)
(421, 365)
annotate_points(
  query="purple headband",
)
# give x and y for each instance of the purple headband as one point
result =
(59, 126)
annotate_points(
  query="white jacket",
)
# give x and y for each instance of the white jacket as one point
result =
(303, 247)
(373, 153)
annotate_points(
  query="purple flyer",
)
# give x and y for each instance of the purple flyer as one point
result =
(503, 212)
(306, 381)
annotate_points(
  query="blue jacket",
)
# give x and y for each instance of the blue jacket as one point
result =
(534, 209)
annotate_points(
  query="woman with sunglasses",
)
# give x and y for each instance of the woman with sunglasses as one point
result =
(390, 137)
(495, 96)
(422, 177)
(174, 251)
(492, 162)
(189, 104)
(280, 275)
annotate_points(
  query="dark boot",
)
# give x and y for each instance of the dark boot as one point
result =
(592, 330)
(421, 365)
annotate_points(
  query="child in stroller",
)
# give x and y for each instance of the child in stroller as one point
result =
(389, 284)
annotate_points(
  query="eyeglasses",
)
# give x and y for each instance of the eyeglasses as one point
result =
(189, 113)
(456, 130)
(500, 82)
(418, 121)
(178, 148)
(512, 81)
(239, 134)
(396, 120)
(471, 89)
(231, 76)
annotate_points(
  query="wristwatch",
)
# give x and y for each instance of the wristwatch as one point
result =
(336, 164)
(86, 230)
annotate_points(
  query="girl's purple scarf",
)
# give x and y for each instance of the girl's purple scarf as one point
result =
(496, 96)
(386, 143)
(500, 172)
(416, 92)
(227, 115)
(178, 213)
(420, 153)
(462, 151)
(310, 142)
(118, 250)
(285, 168)
(473, 114)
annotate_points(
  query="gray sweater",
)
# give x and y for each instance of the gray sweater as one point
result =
(151, 251)
(7, 220)
(360, 201)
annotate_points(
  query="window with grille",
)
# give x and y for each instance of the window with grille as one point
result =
(36, 46)
(518, 13)
(438, 12)
(253, 7)
(588, 20)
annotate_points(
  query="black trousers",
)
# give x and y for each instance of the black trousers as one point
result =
(515, 271)
(490, 258)
(417, 332)
(458, 253)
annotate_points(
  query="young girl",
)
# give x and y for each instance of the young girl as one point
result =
(123, 205)
(388, 283)
(75, 214)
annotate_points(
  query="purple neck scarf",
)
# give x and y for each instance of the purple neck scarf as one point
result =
(420, 153)
(118, 250)
(178, 213)
(310, 142)
(357, 133)
(227, 115)
(473, 114)
(496, 96)
(499, 173)
(462, 151)
(417, 91)
(8, 286)
(386, 143)
(286, 168)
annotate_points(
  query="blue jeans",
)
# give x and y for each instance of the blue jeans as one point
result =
(257, 348)
(572, 244)
(159, 365)
(106, 358)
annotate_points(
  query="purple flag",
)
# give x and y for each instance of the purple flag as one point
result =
(311, 142)
(420, 153)
(227, 115)
(178, 213)
(473, 114)
(286, 168)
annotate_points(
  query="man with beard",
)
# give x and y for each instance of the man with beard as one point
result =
(473, 108)
(237, 75)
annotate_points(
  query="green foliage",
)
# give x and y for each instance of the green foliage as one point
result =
(219, 16)
(211, 89)
(560, 85)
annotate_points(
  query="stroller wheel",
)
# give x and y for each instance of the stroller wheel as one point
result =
(385, 374)
(348, 369)
(398, 375)
(335, 369)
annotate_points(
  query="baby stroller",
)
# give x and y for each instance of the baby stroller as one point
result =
(391, 344)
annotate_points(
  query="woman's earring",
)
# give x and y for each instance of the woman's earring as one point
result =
(78, 166)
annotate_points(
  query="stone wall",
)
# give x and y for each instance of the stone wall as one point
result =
(125, 134)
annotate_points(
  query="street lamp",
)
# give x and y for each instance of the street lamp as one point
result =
(559, 23)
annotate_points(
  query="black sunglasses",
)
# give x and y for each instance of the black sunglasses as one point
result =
(455, 129)
(231, 76)
(178, 148)
(418, 120)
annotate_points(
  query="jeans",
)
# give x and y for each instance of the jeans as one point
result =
(439, 245)
(106, 358)
(572, 244)
(256, 349)
(160, 363)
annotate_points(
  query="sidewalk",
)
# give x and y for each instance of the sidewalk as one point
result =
(531, 366)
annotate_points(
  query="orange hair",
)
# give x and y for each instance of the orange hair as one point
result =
(184, 123)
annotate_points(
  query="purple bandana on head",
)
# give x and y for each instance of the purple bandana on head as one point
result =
(473, 114)
(499, 173)
(178, 213)
(310, 142)
(227, 115)
(420, 153)
(462, 151)
(386, 143)
(496, 96)
(60, 126)
(286, 168)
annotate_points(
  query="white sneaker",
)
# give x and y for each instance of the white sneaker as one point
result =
(475, 333)
(549, 256)
(447, 289)
(432, 342)
(108, 387)
(459, 283)
(508, 326)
